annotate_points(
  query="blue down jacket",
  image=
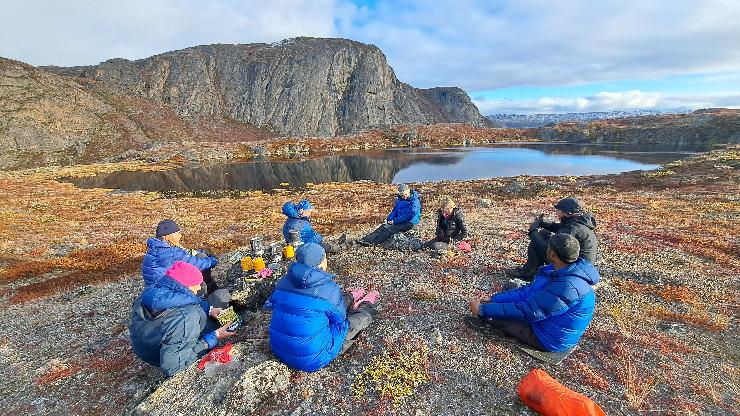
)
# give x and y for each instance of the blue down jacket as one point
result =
(309, 318)
(295, 222)
(558, 303)
(167, 326)
(406, 210)
(160, 256)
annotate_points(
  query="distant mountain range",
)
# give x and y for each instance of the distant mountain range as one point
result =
(523, 121)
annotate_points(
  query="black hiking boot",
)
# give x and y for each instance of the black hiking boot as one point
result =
(523, 273)
(363, 243)
(342, 240)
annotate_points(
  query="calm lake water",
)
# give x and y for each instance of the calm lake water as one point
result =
(402, 165)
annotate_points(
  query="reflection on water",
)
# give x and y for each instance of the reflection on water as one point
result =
(405, 165)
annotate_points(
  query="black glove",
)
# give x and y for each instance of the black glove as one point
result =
(536, 224)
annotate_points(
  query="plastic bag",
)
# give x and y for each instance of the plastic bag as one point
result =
(546, 396)
(464, 246)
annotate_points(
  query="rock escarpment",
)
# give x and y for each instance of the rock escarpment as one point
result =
(302, 86)
(700, 128)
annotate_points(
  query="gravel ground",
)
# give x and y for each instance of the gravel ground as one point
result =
(663, 340)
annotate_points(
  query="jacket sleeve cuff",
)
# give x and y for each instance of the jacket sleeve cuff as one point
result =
(484, 310)
(211, 339)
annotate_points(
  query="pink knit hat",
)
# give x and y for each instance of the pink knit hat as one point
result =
(185, 273)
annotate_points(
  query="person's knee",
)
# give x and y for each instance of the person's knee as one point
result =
(220, 298)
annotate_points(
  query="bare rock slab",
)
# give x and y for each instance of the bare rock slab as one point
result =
(237, 390)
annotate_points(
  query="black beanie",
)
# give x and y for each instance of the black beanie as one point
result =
(166, 227)
(565, 246)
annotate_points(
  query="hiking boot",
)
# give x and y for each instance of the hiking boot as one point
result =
(523, 273)
(342, 239)
(363, 243)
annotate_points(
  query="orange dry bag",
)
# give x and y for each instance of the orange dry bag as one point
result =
(546, 396)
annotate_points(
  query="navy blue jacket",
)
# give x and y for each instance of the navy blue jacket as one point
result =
(309, 318)
(406, 210)
(558, 303)
(295, 222)
(580, 226)
(160, 256)
(167, 325)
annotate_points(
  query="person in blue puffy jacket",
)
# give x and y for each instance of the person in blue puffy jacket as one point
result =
(313, 320)
(163, 250)
(553, 311)
(405, 215)
(299, 219)
(169, 325)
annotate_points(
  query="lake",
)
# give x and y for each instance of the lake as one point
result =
(399, 165)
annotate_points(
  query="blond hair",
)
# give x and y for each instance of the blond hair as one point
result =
(448, 202)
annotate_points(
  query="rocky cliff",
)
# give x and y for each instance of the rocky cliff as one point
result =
(46, 119)
(302, 86)
(700, 128)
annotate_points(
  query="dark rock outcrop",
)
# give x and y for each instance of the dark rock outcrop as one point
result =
(703, 127)
(302, 86)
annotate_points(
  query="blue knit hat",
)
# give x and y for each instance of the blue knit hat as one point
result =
(166, 227)
(310, 254)
(304, 205)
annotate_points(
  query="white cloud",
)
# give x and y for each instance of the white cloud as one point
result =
(610, 101)
(84, 32)
(474, 44)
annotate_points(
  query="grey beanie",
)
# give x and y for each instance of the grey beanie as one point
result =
(565, 246)
(403, 188)
(569, 205)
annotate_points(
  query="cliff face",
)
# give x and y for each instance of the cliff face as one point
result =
(703, 127)
(302, 86)
(46, 119)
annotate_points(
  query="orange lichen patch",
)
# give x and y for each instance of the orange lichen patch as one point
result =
(588, 375)
(57, 373)
(669, 293)
(696, 317)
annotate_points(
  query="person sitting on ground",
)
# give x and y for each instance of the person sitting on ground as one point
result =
(405, 215)
(552, 312)
(169, 325)
(573, 221)
(299, 219)
(313, 321)
(163, 250)
(450, 226)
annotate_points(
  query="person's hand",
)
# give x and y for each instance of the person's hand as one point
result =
(201, 255)
(214, 312)
(536, 224)
(475, 306)
(222, 333)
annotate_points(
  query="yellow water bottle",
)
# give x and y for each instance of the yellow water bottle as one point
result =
(258, 263)
(289, 252)
(246, 263)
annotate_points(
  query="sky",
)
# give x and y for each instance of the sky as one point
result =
(510, 56)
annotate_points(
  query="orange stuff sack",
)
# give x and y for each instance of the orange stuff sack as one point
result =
(546, 396)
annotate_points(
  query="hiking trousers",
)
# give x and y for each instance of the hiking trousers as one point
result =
(537, 249)
(359, 319)
(385, 232)
(521, 330)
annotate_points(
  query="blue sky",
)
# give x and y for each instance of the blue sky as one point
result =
(510, 56)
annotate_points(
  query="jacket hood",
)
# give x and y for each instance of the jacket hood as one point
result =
(582, 269)
(303, 276)
(587, 219)
(167, 293)
(290, 210)
(414, 196)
